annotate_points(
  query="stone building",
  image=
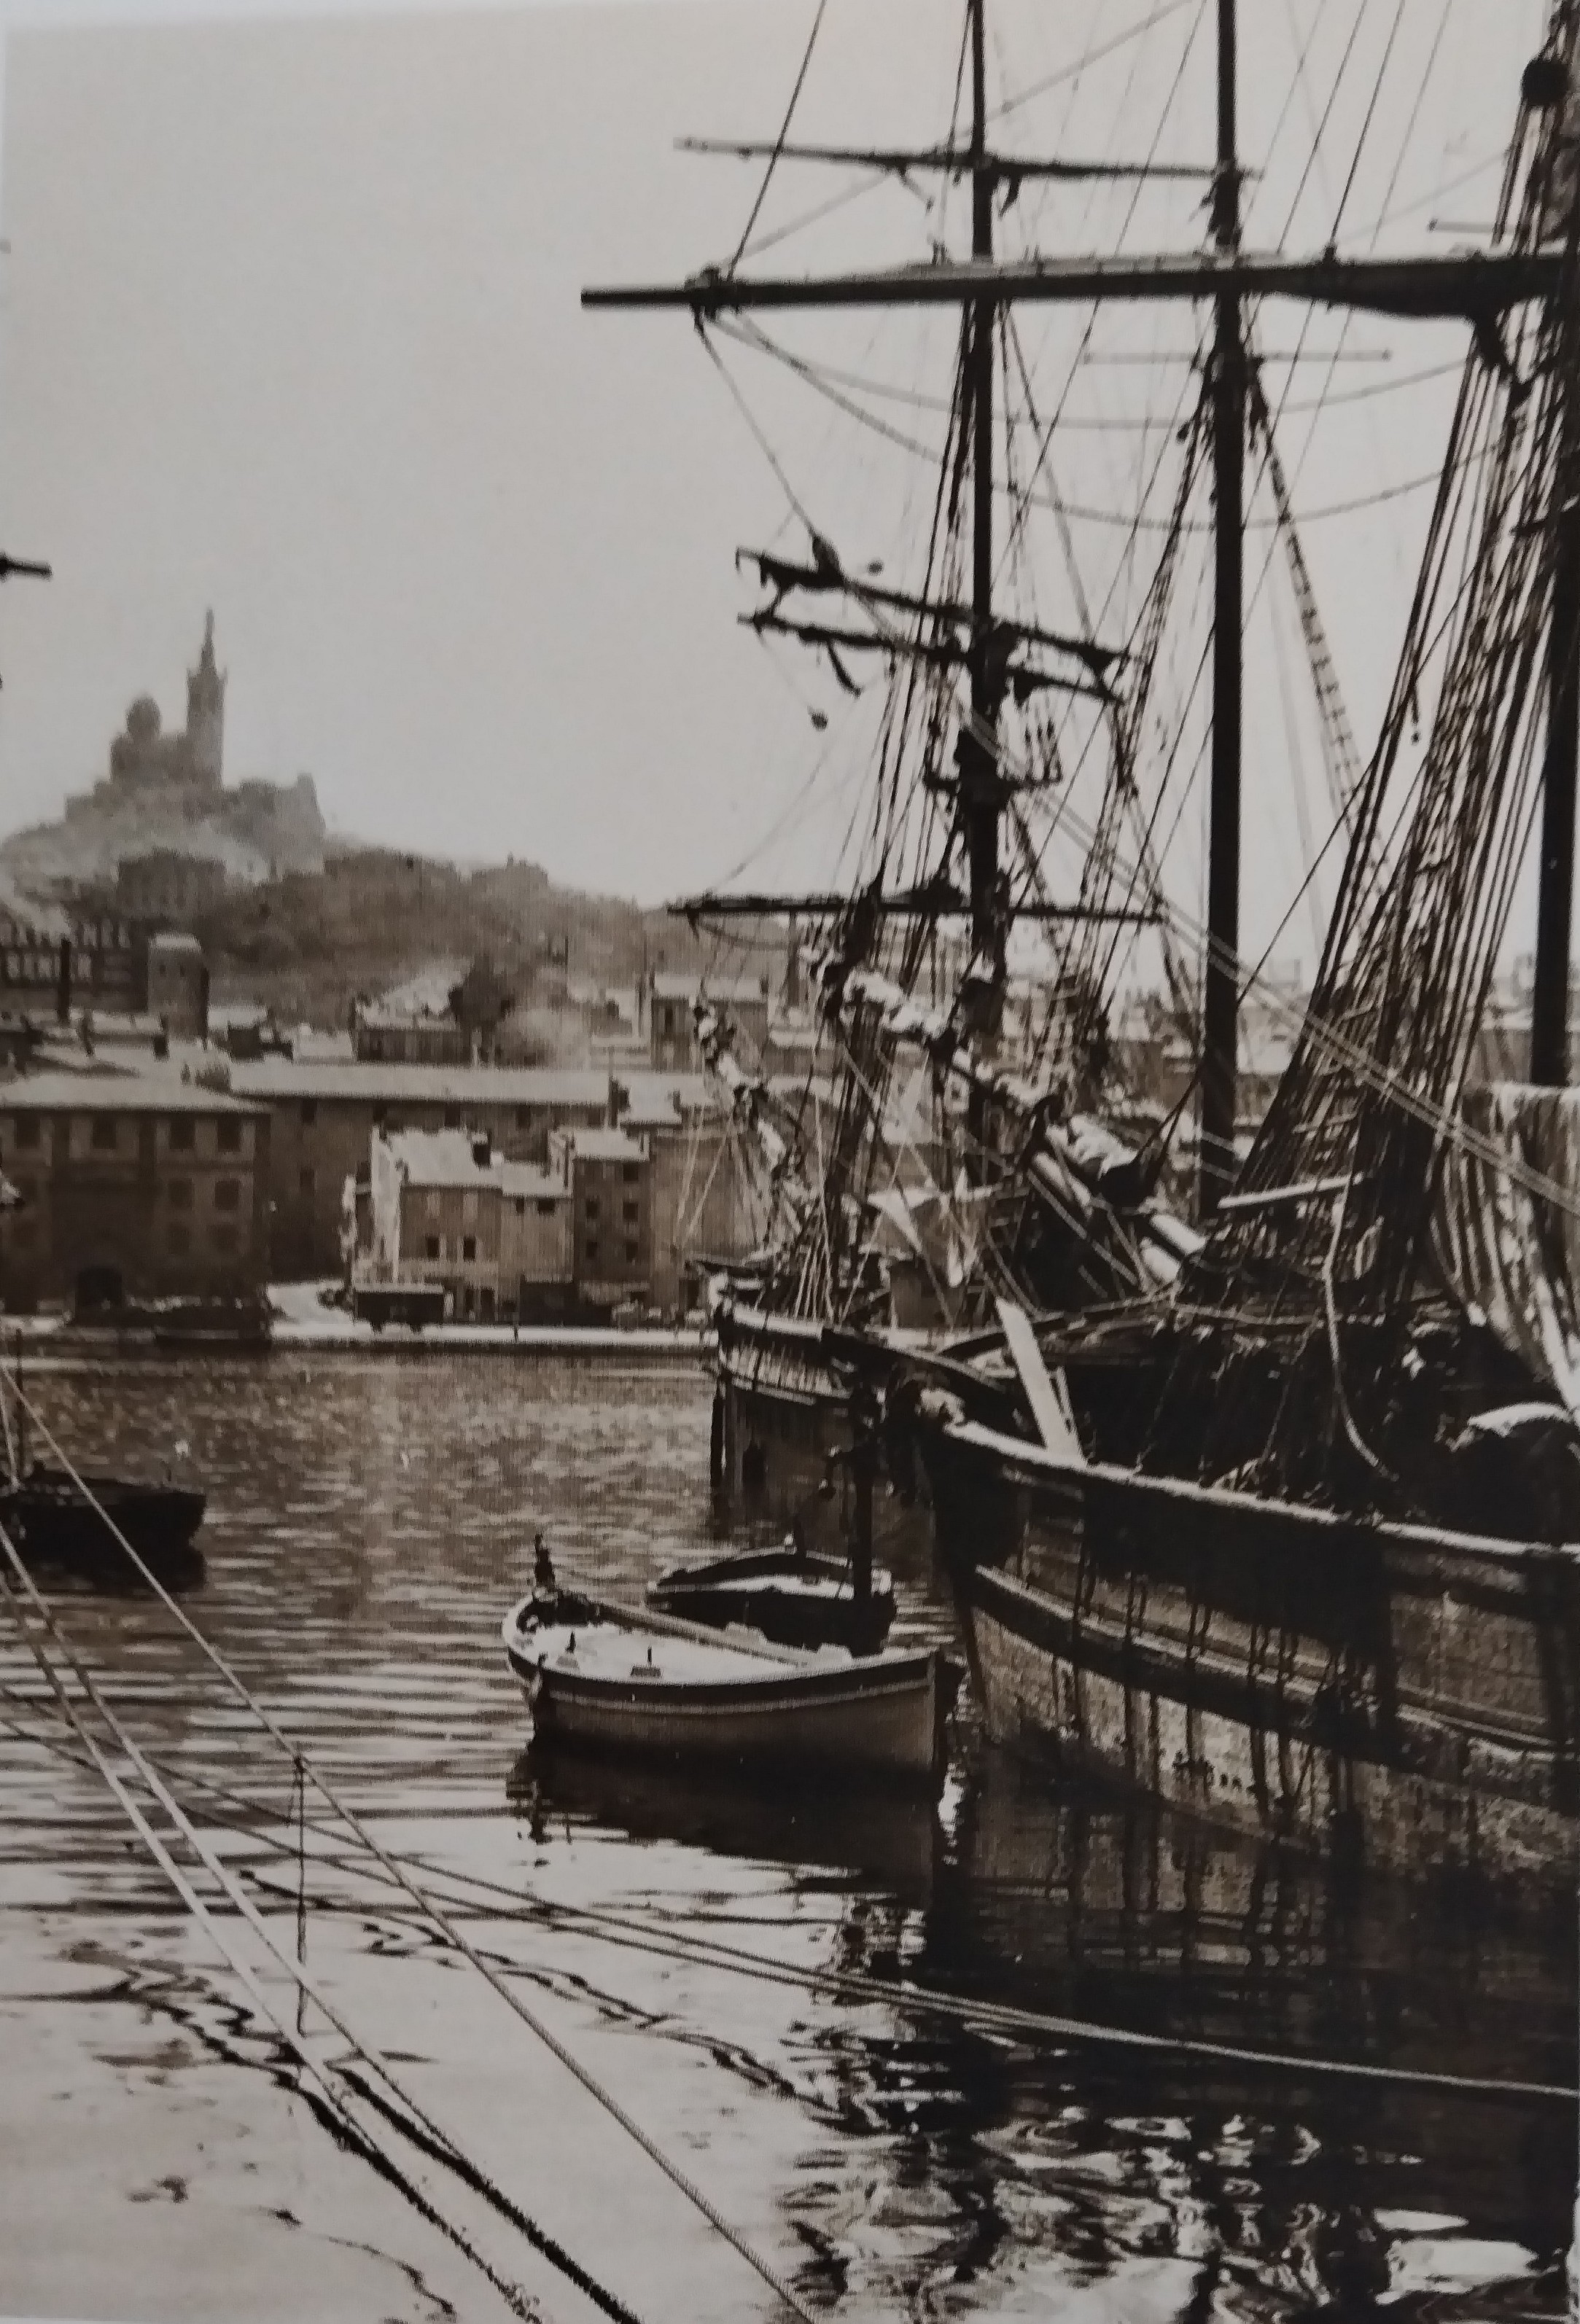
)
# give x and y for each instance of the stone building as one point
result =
(178, 986)
(143, 757)
(324, 1115)
(445, 1207)
(131, 1188)
(742, 1001)
(162, 884)
(609, 1177)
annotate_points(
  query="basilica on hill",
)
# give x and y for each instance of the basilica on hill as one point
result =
(144, 754)
(165, 795)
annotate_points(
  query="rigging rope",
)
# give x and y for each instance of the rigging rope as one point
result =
(369, 1839)
(789, 115)
(669, 1939)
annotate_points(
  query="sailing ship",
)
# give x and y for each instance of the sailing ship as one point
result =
(1267, 1513)
(1314, 1572)
(897, 1220)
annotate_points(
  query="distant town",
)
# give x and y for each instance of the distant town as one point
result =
(237, 1055)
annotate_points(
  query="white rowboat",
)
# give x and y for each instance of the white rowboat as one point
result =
(619, 1682)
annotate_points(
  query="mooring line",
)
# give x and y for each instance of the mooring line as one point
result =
(434, 2140)
(588, 2081)
(333, 2104)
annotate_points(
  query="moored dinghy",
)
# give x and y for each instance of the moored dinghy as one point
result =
(617, 1681)
(788, 1594)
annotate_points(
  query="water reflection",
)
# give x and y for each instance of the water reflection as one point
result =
(368, 1524)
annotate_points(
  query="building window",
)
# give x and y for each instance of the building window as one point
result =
(452, 1117)
(545, 1210)
(309, 1112)
(631, 1254)
(630, 1214)
(431, 1247)
(520, 1206)
(430, 1202)
(305, 1182)
(628, 1171)
(225, 1238)
(229, 1139)
(469, 1206)
(181, 1194)
(468, 1246)
(593, 1249)
(378, 1117)
(102, 1136)
(180, 1240)
(183, 1135)
(590, 1209)
(27, 1129)
(524, 1117)
(227, 1193)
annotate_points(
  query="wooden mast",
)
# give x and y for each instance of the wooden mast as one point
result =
(981, 788)
(1221, 994)
(1550, 998)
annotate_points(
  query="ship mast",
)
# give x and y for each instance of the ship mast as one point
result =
(981, 785)
(1221, 994)
(981, 792)
(1550, 998)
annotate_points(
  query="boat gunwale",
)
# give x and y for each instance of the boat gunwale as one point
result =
(1045, 1465)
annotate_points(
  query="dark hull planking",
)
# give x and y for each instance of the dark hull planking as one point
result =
(50, 1520)
(1405, 1696)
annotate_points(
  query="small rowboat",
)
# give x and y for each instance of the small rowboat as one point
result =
(621, 1681)
(49, 1518)
(788, 1594)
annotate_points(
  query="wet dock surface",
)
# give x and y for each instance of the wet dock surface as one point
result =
(368, 1525)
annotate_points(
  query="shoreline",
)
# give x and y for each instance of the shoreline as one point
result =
(301, 1325)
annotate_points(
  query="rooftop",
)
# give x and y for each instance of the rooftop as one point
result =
(175, 940)
(112, 1092)
(448, 1157)
(605, 1146)
(727, 989)
(368, 1081)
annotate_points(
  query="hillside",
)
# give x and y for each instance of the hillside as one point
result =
(306, 943)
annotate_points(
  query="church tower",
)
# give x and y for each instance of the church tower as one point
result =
(206, 711)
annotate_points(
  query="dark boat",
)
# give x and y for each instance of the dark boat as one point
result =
(51, 1519)
(791, 1595)
(87, 1522)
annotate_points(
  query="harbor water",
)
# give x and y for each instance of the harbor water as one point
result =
(721, 1963)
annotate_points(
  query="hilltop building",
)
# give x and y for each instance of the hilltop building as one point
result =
(143, 756)
(165, 795)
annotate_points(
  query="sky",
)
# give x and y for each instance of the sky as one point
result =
(290, 328)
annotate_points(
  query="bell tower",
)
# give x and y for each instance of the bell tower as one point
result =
(206, 711)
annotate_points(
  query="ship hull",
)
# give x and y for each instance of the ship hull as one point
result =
(1399, 1695)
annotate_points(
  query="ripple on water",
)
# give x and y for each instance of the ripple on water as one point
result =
(369, 1522)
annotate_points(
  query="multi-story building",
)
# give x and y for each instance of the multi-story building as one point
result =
(164, 885)
(444, 1207)
(178, 986)
(742, 1001)
(610, 1183)
(131, 1188)
(324, 1115)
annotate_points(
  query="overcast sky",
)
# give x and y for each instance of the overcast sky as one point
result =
(290, 328)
